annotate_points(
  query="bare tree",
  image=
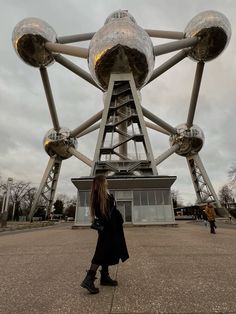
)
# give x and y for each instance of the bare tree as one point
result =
(226, 195)
(232, 175)
(176, 198)
(27, 200)
(21, 197)
(71, 207)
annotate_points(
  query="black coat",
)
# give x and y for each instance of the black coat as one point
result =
(111, 245)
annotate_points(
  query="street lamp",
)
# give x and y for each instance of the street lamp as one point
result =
(9, 184)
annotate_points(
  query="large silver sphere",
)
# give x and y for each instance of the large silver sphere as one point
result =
(190, 140)
(214, 32)
(57, 143)
(29, 37)
(121, 46)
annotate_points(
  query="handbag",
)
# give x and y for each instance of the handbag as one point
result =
(97, 225)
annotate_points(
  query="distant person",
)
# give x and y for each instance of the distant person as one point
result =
(204, 217)
(211, 215)
(111, 245)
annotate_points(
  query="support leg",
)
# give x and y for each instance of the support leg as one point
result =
(47, 186)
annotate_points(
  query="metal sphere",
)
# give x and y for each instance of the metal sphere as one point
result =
(121, 46)
(29, 37)
(214, 32)
(119, 14)
(190, 140)
(57, 143)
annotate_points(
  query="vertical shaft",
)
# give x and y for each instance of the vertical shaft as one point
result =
(123, 128)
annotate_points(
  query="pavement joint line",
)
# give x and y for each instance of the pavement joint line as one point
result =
(157, 312)
(181, 313)
(114, 291)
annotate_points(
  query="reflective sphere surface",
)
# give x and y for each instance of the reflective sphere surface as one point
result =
(190, 140)
(29, 37)
(121, 46)
(119, 14)
(57, 143)
(214, 31)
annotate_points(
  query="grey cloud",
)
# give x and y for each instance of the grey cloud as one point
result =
(25, 116)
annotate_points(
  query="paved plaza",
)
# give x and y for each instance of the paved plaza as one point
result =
(181, 269)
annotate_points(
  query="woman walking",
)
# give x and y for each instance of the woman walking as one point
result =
(111, 245)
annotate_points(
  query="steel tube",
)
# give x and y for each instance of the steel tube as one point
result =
(166, 154)
(175, 45)
(68, 50)
(156, 128)
(86, 124)
(80, 156)
(123, 149)
(168, 64)
(74, 38)
(195, 92)
(164, 34)
(75, 69)
(158, 121)
(51, 104)
(89, 129)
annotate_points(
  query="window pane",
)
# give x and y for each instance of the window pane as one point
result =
(87, 196)
(159, 199)
(128, 217)
(136, 198)
(166, 196)
(144, 199)
(151, 197)
(82, 199)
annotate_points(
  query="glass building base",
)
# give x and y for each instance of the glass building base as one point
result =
(141, 200)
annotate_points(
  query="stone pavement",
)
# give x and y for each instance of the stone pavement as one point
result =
(180, 269)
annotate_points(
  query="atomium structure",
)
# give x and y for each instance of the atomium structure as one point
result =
(121, 58)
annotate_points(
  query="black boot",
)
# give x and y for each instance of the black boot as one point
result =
(88, 282)
(106, 279)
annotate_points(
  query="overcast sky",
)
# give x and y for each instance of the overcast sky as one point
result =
(24, 115)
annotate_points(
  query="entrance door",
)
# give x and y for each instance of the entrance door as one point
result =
(125, 209)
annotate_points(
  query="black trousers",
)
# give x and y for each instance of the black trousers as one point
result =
(212, 226)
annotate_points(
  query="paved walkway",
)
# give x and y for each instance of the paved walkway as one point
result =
(180, 269)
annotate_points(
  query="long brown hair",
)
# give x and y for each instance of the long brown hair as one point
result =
(98, 196)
